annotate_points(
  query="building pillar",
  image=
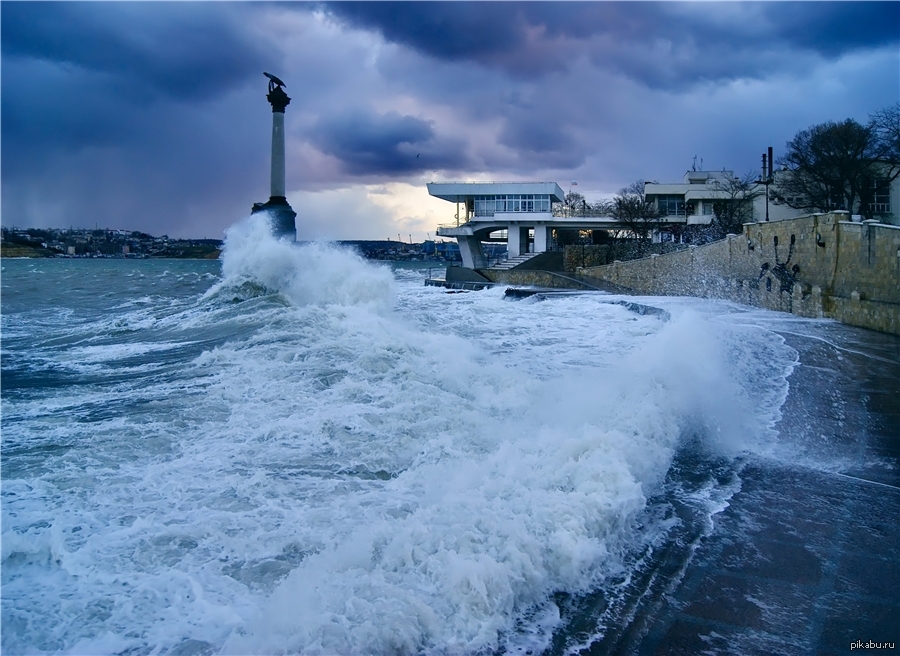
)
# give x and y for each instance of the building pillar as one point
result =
(542, 238)
(280, 212)
(471, 252)
(513, 241)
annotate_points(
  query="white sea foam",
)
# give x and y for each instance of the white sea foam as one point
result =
(315, 273)
(369, 467)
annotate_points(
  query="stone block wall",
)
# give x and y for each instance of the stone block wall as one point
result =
(822, 265)
(590, 255)
(549, 279)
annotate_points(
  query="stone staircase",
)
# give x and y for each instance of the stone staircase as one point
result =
(512, 262)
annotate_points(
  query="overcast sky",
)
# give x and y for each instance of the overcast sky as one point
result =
(153, 116)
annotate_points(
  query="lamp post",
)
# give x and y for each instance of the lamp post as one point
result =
(767, 177)
(277, 207)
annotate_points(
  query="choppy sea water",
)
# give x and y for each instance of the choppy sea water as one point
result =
(297, 451)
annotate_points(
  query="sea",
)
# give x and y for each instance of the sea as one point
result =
(296, 450)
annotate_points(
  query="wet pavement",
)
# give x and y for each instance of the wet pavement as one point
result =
(806, 558)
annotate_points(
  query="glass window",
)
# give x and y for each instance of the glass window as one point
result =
(881, 198)
(670, 205)
(488, 205)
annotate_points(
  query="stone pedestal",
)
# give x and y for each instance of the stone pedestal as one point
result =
(281, 215)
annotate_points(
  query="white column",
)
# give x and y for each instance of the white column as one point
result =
(513, 241)
(277, 154)
(471, 253)
(541, 238)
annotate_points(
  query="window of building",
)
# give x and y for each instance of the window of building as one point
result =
(881, 197)
(488, 205)
(670, 204)
(707, 208)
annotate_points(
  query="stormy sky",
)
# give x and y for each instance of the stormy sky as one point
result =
(152, 116)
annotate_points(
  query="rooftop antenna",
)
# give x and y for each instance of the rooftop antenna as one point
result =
(694, 164)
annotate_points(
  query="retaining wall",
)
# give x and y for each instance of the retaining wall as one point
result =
(822, 265)
(538, 279)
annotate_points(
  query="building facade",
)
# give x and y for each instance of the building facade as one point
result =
(519, 213)
(692, 200)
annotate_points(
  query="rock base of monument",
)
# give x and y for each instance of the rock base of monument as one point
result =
(282, 217)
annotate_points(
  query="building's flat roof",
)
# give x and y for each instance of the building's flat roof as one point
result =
(692, 180)
(456, 192)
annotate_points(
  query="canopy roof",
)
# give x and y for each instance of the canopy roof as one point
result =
(457, 192)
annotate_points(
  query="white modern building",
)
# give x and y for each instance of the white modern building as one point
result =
(521, 213)
(516, 212)
(691, 200)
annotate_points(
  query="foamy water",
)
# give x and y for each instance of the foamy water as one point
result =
(308, 453)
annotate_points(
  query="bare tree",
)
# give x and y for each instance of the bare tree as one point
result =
(841, 165)
(885, 124)
(885, 127)
(631, 209)
(734, 208)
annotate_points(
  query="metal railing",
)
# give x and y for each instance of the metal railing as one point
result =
(498, 259)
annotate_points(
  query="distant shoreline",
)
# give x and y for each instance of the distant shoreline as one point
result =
(16, 252)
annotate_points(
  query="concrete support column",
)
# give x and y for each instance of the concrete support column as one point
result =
(542, 238)
(277, 154)
(471, 252)
(513, 241)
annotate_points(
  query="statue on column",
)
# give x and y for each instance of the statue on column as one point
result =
(273, 82)
(277, 207)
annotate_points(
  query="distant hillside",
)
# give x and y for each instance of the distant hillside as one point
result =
(18, 250)
(49, 242)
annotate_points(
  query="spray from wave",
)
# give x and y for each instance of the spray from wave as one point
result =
(359, 466)
(311, 274)
(466, 489)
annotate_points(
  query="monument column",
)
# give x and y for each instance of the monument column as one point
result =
(282, 216)
(279, 100)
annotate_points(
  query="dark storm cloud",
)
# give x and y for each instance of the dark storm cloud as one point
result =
(184, 52)
(152, 116)
(112, 114)
(540, 143)
(79, 75)
(660, 44)
(833, 28)
(370, 143)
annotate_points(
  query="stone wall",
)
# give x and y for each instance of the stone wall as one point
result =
(551, 279)
(822, 265)
(590, 255)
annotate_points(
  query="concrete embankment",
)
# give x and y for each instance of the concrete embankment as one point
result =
(822, 265)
